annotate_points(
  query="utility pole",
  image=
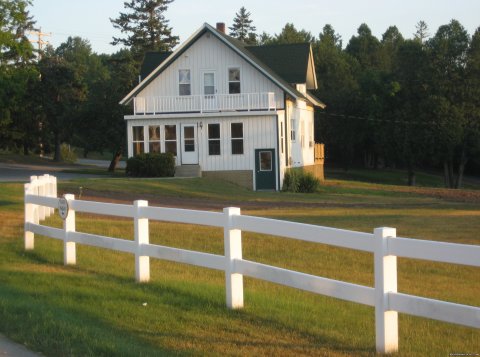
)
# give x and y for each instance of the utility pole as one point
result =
(39, 41)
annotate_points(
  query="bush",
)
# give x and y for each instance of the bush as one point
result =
(67, 154)
(297, 180)
(151, 165)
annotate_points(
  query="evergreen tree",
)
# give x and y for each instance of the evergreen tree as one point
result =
(242, 28)
(290, 34)
(421, 34)
(145, 26)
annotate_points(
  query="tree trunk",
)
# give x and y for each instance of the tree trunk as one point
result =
(115, 160)
(25, 148)
(461, 169)
(448, 174)
(411, 176)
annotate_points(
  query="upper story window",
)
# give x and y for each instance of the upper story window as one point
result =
(209, 83)
(234, 80)
(184, 83)
(213, 139)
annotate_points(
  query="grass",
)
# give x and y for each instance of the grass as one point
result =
(96, 308)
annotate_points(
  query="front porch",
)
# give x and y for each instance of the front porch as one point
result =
(204, 103)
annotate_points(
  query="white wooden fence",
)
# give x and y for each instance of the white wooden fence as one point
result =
(40, 200)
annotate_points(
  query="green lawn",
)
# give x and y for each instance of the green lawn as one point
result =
(96, 308)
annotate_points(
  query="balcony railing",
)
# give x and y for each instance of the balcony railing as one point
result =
(204, 103)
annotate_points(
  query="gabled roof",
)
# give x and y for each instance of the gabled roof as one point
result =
(151, 61)
(237, 46)
(289, 61)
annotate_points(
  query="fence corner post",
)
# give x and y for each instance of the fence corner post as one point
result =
(386, 320)
(233, 251)
(142, 262)
(29, 237)
(69, 248)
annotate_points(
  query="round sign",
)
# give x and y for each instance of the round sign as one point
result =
(63, 208)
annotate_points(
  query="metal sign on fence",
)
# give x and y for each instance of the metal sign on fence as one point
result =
(63, 208)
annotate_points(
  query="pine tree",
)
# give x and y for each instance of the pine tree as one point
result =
(145, 26)
(242, 28)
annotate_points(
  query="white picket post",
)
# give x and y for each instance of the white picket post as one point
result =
(142, 263)
(233, 250)
(386, 320)
(41, 193)
(69, 248)
(29, 237)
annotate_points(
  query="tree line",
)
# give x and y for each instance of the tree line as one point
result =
(409, 103)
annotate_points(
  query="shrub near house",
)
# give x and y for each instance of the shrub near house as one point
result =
(151, 165)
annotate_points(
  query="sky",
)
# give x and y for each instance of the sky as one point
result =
(90, 19)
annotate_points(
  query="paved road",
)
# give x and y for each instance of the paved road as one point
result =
(22, 173)
(9, 348)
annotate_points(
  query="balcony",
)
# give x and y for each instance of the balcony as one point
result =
(204, 103)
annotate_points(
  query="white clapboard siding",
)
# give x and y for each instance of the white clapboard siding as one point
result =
(259, 132)
(209, 54)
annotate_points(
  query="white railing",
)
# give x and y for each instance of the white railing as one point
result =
(204, 103)
(383, 243)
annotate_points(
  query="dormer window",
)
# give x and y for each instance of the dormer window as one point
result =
(234, 80)
(184, 84)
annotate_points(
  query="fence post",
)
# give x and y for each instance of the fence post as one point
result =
(69, 248)
(142, 263)
(233, 250)
(386, 320)
(41, 193)
(29, 237)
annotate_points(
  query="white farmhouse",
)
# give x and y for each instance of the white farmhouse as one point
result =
(227, 109)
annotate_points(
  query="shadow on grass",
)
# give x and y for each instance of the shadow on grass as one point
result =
(174, 309)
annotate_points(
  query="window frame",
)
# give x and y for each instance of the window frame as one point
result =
(159, 140)
(233, 82)
(293, 132)
(214, 141)
(180, 83)
(168, 141)
(237, 139)
(140, 142)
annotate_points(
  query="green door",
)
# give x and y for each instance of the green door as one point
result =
(265, 177)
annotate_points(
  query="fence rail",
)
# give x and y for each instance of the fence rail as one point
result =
(41, 200)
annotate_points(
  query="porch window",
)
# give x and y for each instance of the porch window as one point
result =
(213, 139)
(138, 140)
(293, 133)
(171, 139)
(237, 138)
(154, 138)
(184, 84)
(234, 80)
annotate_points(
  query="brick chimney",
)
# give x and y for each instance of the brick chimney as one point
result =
(221, 27)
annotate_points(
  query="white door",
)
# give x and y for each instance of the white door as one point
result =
(189, 144)
(209, 91)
